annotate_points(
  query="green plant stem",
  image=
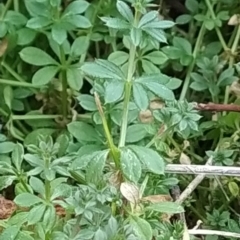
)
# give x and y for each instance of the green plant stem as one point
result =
(235, 46)
(113, 148)
(64, 84)
(7, 6)
(204, 220)
(24, 184)
(42, 116)
(16, 5)
(220, 36)
(17, 84)
(191, 66)
(12, 72)
(128, 88)
(94, 16)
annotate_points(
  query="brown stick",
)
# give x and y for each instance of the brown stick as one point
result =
(217, 107)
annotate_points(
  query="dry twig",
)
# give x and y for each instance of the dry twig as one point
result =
(217, 107)
(213, 232)
(203, 169)
(192, 186)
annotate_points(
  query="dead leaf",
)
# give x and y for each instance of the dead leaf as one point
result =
(7, 208)
(184, 159)
(235, 88)
(186, 144)
(115, 179)
(130, 191)
(234, 20)
(156, 104)
(146, 116)
(157, 198)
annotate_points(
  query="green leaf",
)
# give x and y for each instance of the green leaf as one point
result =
(174, 83)
(36, 56)
(156, 57)
(156, 34)
(226, 76)
(103, 69)
(160, 90)
(95, 167)
(115, 23)
(136, 133)
(25, 36)
(15, 18)
(114, 91)
(183, 44)
(6, 181)
(8, 96)
(38, 22)
(17, 155)
(63, 141)
(166, 207)
(149, 67)
(142, 228)
(74, 78)
(44, 75)
(125, 11)
(77, 21)
(209, 24)
(198, 86)
(49, 218)
(3, 29)
(37, 185)
(82, 160)
(6, 147)
(233, 188)
(27, 200)
(118, 57)
(149, 158)
(148, 17)
(80, 46)
(17, 105)
(35, 214)
(18, 219)
(192, 5)
(76, 7)
(140, 96)
(59, 34)
(87, 102)
(33, 7)
(159, 24)
(130, 165)
(82, 131)
(183, 19)
(33, 137)
(10, 233)
(136, 36)
(183, 124)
